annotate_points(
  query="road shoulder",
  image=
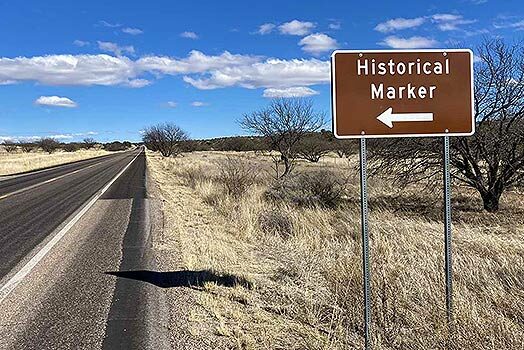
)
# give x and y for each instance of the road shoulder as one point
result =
(186, 332)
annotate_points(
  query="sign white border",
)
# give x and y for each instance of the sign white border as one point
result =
(333, 95)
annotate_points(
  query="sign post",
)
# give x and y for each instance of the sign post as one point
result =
(402, 93)
(365, 240)
(447, 231)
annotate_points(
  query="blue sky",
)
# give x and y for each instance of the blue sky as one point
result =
(107, 69)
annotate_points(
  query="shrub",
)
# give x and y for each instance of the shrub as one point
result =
(237, 175)
(115, 146)
(273, 221)
(48, 144)
(9, 146)
(26, 146)
(319, 188)
(89, 143)
(71, 147)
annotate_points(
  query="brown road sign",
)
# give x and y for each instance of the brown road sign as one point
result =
(387, 93)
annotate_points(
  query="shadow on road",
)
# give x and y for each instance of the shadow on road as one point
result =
(192, 279)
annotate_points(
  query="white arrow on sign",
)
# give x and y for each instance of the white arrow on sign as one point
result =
(388, 117)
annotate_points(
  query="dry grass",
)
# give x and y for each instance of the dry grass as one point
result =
(304, 263)
(12, 163)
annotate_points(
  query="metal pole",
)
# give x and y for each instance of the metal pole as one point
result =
(447, 230)
(365, 241)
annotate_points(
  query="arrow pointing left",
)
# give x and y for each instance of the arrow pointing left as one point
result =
(388, 117)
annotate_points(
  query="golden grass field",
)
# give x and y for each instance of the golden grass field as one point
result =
(301, 287)
(12, 163)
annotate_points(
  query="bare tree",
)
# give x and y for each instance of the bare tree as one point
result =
(26, 146)
(284, 123)
(9, 146)
(492, 160)
(345, 148)
(313, 147)
(167, 138)
(48, 144)
(89, 143)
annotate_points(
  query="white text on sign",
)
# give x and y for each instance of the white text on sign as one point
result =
(391, 67)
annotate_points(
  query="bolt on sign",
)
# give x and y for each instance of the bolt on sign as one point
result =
(406, 93)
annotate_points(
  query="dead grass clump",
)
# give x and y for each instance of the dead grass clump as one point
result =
(194, 176)
(317, 188)
(236, 175)
(273, 221)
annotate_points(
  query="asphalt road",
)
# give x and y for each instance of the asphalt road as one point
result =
(73, 298)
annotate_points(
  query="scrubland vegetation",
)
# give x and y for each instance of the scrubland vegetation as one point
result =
(282, 220)
(293, 246)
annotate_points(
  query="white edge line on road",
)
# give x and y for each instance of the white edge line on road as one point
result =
(24, 271)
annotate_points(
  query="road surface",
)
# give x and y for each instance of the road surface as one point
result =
(71, 298)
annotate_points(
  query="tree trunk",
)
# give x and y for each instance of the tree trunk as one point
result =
(491, 200)
(287, 165)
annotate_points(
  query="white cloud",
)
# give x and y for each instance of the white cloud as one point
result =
(81, 43)
(414, 42)
(115, 48)
(195, 62)
(200, 70)
(271, 73)
(14, 138)
(89, 133)
(266, 28)
(446, 17)
(171, 104)
(448, 21)
(69, 69)
(335, 25)
(61, 136)
(189, 35)
(109, 25)
(55, 101)
(132, 31)
(296, 27)
(399, 24)
(519, 25)
(198, 104)
(297, 91)
(443, 21)
(318, 43)
(138, 83)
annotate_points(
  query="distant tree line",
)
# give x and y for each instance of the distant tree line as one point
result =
(51, 145)
(312, 146)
